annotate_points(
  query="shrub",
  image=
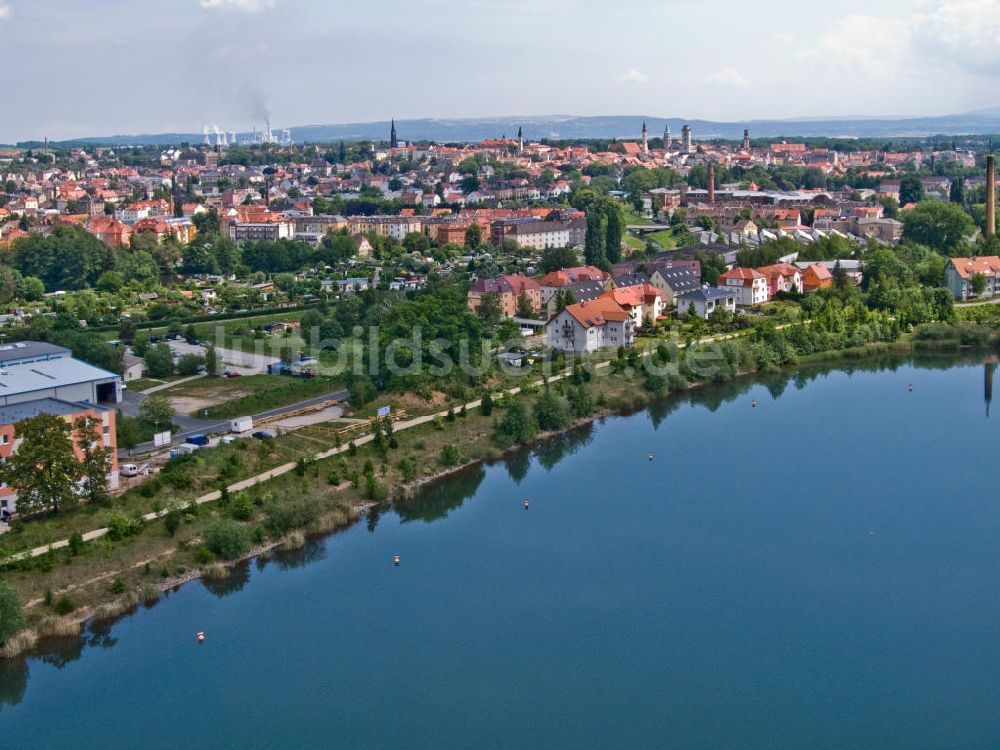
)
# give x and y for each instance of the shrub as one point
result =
(64, 605)
(172, 521)
(333, 478)
(75, 543)
(117, 585)
(290, 514)
(11, 617)
(449, 454)
(374, 490)
(550, 411)
(242, 508)
(517, 426)
(227, 539)
(408, 468)
(121, 526)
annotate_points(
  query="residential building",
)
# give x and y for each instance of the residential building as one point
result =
(749, 285)
(959, 274)
(781, 277)
(644, 302)
(816, 276)
(704, 301)
(590, 326)
(551, 282)
(507, 288)
(675, 280)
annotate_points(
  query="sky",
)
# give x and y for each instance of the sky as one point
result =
(76, 68)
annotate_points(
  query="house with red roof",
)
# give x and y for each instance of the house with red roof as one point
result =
(960, 272)
(589, 326)
(507, 288)
(781, 277)
(749, 285)
(816, 277)
(553, 281)
(644, 302)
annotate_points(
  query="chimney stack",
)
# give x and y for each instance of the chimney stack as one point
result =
(991, 195)
(711, 182)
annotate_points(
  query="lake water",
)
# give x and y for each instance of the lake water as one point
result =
(822, 571)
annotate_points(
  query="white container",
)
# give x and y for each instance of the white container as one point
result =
(241, 424)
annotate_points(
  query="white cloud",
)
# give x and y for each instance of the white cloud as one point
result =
(633, 76)
(962, 33)
(247, 6)
(5, 12)
(728, 77)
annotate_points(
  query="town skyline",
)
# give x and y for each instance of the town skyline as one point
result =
(239, 62)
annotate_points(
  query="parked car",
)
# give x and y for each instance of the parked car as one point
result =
(200, 440)
(231, 373)
(263, 435)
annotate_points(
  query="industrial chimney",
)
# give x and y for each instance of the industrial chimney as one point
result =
(991, 195)
(711, 182)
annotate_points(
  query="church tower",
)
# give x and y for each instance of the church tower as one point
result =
(746, 139)
(645, 139)
(520, 141)
(393, 140)
(668, 139)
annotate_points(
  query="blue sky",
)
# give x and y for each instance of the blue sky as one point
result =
(98, 67)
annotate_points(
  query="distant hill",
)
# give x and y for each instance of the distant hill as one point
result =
(615, 126)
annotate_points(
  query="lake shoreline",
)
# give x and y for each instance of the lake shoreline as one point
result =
(33, 639)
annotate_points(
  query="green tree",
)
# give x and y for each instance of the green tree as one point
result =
(911, 190)
(517, 425)
(157, 410)
(941, 226)
(473, 236)
(128, 433)
(11, 617)
(978, 283)
(524, 307)
(95, 462)
(212, 361)
(189, 364)
(555, 258)
(159, 361)
(490, 311)
(44, 469)
(550, 411)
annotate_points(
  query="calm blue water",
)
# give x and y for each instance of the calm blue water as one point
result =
(822, 571)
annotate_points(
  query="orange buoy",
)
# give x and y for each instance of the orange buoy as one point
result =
(395, 560)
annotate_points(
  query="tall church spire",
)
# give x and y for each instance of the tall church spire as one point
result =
(393, 140)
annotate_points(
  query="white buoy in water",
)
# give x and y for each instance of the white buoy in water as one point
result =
(395, 560)
(650, 456)
(910, 387)
(525, 504)
(201, 636)
(754, 403)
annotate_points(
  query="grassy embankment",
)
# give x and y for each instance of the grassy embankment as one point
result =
(120, 570)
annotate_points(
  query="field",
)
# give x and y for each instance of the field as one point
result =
(224, 398)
